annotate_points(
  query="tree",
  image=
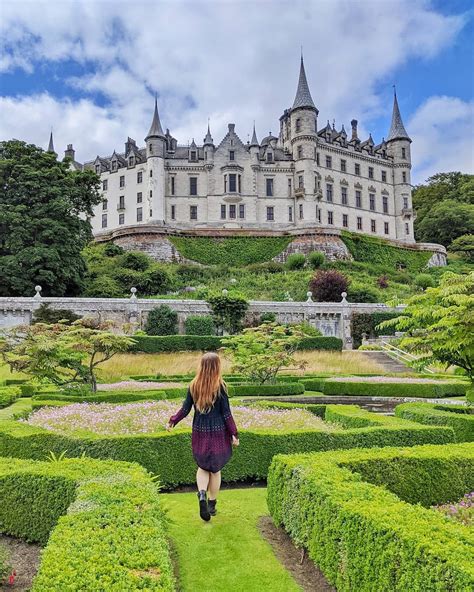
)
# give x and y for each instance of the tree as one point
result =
(464, 247)
(46, 314)
(259, 353)
(439, 323)
(327, 286)
(44, 211)
(228, 311)
(162, 320)
(445, 222)
(60, 353)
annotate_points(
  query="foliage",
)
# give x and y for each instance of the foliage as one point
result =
(295, 261)
(320, 343)
(5, 566)
(316, 259)
(327, 286)
(46, 314)
(60, 353)
(135, 260)
(199, 325)
(425, 280)
(461, 511)
(162, 320)
(464, 247)
(268, 317)
(445, 222)
(307, 329)
(363, 509)
(102, 522)
(8, 395)
(368, 323)
(382, 282)
(439, 323)
(113, 250)
(362, 293)
(228, 311)
(259, 353)
(230, 251)
(119, 396)
(458, 418)
(174, 343)
(44, 221)
(104, 287)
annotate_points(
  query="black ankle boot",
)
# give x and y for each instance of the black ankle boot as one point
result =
(211, 504)
(203, 507)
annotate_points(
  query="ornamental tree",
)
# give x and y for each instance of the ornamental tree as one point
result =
(259, 353)
(228, 311)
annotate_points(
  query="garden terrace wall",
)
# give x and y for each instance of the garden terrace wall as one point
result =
(168, 454)
(353, 511)
(461, 419)
(102, 523)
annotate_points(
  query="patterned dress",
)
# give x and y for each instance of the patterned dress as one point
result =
(212, 432)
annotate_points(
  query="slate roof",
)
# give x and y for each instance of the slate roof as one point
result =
(303, 97)
(397, 129)
(155, 128)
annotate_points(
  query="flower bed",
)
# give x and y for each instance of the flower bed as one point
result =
(353, 511)
(462, 511)
(101, 523)
(460, 419)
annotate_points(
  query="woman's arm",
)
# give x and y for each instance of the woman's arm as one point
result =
(183, 412)
(227, 413)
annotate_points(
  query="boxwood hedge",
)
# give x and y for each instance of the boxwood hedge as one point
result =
(461, 419)
(8, 394)
(168, 454)
(352, 511)
(102, 523)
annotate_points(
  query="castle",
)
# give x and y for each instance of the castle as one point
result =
(307, 178)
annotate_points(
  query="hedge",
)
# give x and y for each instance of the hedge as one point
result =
(102, 523)
(461, 419)
(265, 390)
(320, 343)
(367, 323)
(168, 454)
(121, 396)
(353, 511)
(8, 394)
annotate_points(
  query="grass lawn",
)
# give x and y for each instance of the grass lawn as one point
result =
(18, 406)
(228, 553)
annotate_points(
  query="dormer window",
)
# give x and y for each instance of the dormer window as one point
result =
(131, 161)
(298, 125)
(193, 156)
(269, 156)
(114, 165)
(231, 154)
(97, 169)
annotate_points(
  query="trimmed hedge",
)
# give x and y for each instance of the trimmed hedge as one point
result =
(102, 523)
(8, 394)
(352, 511)
(168, 454)
(320, 343)
(461, 419)
(265, 390)
(113, 396)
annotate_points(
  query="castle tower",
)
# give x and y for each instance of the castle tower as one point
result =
(51, 144)
(398, 147)
(208, 146)
(254, 147)
(155, 153)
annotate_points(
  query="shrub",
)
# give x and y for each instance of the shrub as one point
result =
(459, 418)
(464, 247)
(172, 343)
(8, 395)
(199, 325)
(127, 278)
(268, 317)
(295, 261)
(228, 311)
(101, 522)
(368, 323)
(135, 260)
(360, 293)
(162, 320)
(120, 396)
(353, 511)
(382, 282)
(327, 286)
(266, 390)
(424, 280)
(104, 287)
(307, 329)
(189, 273)
(270, 267)
(316, 259)
(320, 343)
(112, 250)
(154, 281)
(50, 316)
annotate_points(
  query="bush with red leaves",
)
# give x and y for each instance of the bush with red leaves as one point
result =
(327, 286)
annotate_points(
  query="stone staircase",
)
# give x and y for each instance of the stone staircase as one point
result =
(390, 364)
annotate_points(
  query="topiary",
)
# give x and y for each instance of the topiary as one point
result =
(424, 280)
(135, 260)
(112, 250)
(295, 261)
(327, 286)
(162, 320)
(316, 259)
(199, 325)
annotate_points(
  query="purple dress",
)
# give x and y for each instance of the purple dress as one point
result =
(212, 431)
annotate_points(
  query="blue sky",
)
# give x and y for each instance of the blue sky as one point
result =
(89, 70)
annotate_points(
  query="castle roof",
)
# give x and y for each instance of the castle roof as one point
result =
(51, 145)
(397, 129)
(254, 141)
(208, 139)
(155, 128)
(303, 99)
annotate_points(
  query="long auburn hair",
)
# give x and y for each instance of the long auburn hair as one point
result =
(205, 386)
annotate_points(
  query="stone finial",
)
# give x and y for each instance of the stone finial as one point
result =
(309, 297)
(134, 292)
(344, 296)
(232, 281)
(38, 292)
(225, 292)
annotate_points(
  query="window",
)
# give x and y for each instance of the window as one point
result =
(372, 201)
(319, 216)
(104, 185)
(231, 154)
(343, 166)
(298, 125)
(269, 184)
(301, 212)
(404, 176)
(345, 220)
(223, 212)
(269, 156)
(193, 187)
(151, 173)
(232, 212)
(371, 172)
(193, 155)
(114, 165)
(344, 196)
(139, 177)
(290, 214)
(300, 151)
(386, 228)
(405, 203)
(328, 162)
(357, 168)
(385, 204)
(300, 182)
(151, 213)
(193, 212)
(233, 183)
(104, 220)
(407, 228)
(131, 161)
(384, 176)
(104, 204)
(241, 211)
(404, 153)
(270, 214)
(122, 202)
(239, 179)
(359, 223)
(122, 181)
(139, 197)
(289, 187)
(358, 199)
(139, 214)
(172, 185)
(317, 158)
(173, 212)
(97, 169)
(372, 225)
(329, 192)
(151, 193)
(121, 218)
(330, 218)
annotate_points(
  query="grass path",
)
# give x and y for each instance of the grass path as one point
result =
(17, 407)
(227, 554)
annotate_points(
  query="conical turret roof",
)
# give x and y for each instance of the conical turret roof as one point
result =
(208, 139)
(397, 129)
(303, 97)
(51, 145)
(155, 128)
(254, 141)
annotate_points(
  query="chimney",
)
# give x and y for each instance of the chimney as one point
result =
(354, 129)
(70, 152)
(231, 127)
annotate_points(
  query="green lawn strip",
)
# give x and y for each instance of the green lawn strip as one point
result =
(228, 553)
(18, 406)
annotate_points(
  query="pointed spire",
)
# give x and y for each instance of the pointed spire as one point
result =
(155, 129)
(208, 139)
(303, 97)
(254, 141)
(51, 145)
(193, 144)
(397, 129)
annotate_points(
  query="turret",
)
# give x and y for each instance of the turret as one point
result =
(155, 139)
(254, 146)
(51, 144)
(208, 146)
(155, 152)
(70, 152)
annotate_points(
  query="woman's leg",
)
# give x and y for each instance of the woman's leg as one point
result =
(202, 479)
(214, 484)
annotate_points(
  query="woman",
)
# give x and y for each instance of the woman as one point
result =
(214, 430)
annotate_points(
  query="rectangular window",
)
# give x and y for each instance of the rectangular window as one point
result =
(289, 187)
(231, 155)
(372, 225)
(269, 187)
(270, 214)
(104, 220)
(114, 165)
(372, 201)
(385, 204)
(139, 197)
(317, 158)
(371, 172)
(151, 172)
(121, 218)
(319, 216)
(301, 212)
(223, 212)
(232, 212)
(357, 168)
(385, 228)
(300, 182)
(404, 177)
(139, 177)
(269, 156)
(290, 214)
(193, 212)
(358, 199)
(241, 211)
(405, 203)
(193, 155)
(328, 162)
(172, 185)
(122, 181)
(139, 214)
(193, 183)
(404, 153)
(329, 192)
(173, 212)
(330, 218)
(384, 176)
(344, 196)
(300, 151)
(407, 228)
(239, 179)
(232, 183)
(122, 202)
(359, 223)
(343, 166)
(151, 213)
(104, 185)
(97, 169)
(151, 193)
(104, 204)
(345, 220)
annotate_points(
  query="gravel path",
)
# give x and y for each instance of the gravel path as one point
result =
(24, 559)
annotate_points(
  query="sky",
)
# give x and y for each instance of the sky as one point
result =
(89, 70)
